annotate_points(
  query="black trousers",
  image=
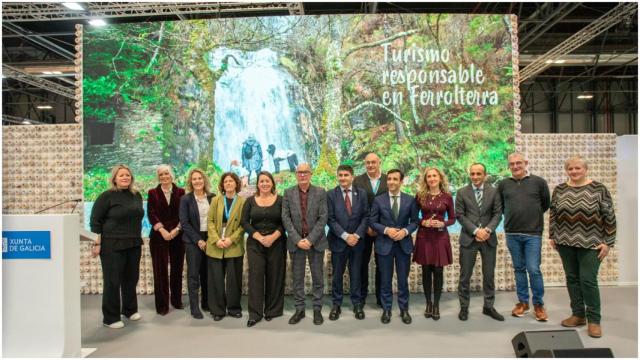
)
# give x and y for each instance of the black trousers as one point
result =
(467, 262)
(267, 266)
(364, 274)
(224, 278)
(197, 275)
(120, 270)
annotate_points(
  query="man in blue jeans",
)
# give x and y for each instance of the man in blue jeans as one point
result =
(525, 198)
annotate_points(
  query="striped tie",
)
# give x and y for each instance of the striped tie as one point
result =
(479, 197)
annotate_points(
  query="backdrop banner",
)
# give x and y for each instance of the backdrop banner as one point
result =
(268, 93)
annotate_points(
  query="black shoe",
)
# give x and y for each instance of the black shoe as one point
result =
(357, 309)
(335, 313)
(491, 312)
(317, 317)
(299, 315)
(267, 317)
(205, 308)
(252, 322)
(379, 303)
(436, 313)
(406, 318)
(237, 315)
(386, 316)
(218, 317)
(463, 314)
(428, 312)
(197, 315)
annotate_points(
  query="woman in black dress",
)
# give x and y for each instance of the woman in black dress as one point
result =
(266, 251)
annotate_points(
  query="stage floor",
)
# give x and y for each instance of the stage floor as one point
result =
(178, 335)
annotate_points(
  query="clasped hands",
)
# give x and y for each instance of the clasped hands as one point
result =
(266, 240)
(482, 234)
(396, 234)
(433, 223)
(168, 235)
(305, 244)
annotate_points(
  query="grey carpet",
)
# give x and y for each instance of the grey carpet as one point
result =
(178, 335)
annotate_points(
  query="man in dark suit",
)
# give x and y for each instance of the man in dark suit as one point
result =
(304, 216)
(348, 215)
(394, 216)
(374, 182)
(478, 209)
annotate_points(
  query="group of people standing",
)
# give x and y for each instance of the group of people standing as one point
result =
(364, 214)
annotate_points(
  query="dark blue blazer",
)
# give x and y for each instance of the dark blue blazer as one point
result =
(381, 217)
(339, 221)
(190, 218)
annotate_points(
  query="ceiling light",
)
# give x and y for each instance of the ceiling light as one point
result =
(97, 22)
(560, 61)
(47, 72)
(26, 122)
(549, 62)
(44, 107)
(72, 5)
(56, 72)
(585, 97)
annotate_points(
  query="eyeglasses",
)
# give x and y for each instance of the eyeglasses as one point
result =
(303, 173)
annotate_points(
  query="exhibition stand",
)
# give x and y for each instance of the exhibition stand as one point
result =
(41, 286)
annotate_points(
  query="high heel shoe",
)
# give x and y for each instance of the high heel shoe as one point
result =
(428, 312)
(436, 312)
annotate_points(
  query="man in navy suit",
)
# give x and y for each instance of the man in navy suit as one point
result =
(348, 214)
(394, 216)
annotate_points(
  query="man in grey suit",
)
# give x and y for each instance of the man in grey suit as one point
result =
(479, 210)
(304, 215)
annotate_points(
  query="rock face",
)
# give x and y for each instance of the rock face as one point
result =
(135, 143)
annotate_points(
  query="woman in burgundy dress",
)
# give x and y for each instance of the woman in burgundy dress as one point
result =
(433, 249)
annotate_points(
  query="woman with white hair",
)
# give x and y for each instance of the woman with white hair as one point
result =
(582, 228)
(165, 244)
(116, 217)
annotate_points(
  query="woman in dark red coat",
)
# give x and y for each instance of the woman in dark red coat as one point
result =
(433, 249)
(165, 240)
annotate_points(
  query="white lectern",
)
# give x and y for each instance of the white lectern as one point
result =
(40, 286)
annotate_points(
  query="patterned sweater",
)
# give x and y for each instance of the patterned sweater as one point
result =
(582, 216)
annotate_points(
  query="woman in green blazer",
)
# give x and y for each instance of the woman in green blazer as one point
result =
(225, 249)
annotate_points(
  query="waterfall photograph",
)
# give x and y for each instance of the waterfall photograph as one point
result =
(268, 93)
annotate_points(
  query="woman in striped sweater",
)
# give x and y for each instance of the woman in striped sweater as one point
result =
(582, 228)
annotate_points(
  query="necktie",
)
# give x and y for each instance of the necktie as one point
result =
(479, 197)
(347, 201)
(394, 207)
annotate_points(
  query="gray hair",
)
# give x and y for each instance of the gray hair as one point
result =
(574, 159)
(517, 154)
(163, 167)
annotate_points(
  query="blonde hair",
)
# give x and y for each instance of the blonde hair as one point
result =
(576, 158)
(423, 186)
(163, 167)
(114, 173)
(207, 185)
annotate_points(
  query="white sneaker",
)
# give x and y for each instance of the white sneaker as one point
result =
(115, 325)
(135, 317)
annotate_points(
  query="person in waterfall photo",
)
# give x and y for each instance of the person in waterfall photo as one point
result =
(252, 156)
(277, 155)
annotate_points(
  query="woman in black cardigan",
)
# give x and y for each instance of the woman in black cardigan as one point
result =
(117, 219)
(194, 208)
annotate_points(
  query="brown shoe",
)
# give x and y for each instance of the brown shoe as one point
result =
(594, 330)
(520, 309)
(541, 314)
(573, 321)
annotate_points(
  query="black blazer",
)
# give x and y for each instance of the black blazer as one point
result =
(190, 218)
(470, 215)
(362, 181)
